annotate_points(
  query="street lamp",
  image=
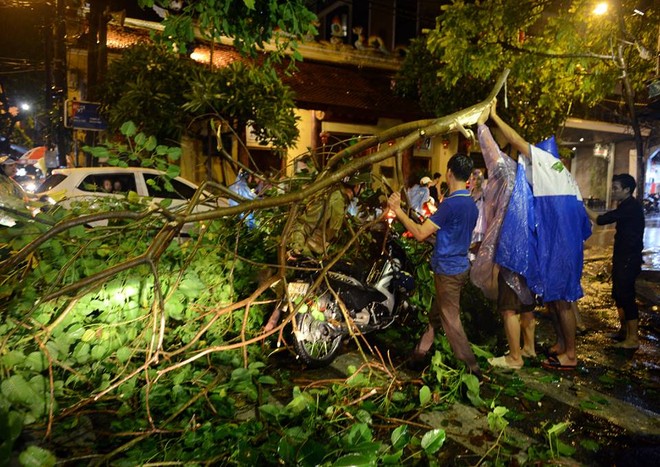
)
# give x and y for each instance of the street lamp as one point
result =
(27, 107)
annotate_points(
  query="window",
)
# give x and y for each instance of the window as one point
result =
(156, 188)
(108, 183)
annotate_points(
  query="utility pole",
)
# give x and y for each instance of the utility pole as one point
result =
(60, 79)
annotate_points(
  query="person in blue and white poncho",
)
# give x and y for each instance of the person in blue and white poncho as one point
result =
(553, 224)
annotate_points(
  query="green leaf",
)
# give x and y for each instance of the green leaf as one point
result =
(133, 197)
(358, 433)
(140, 139)
(392, 459)
(473, 390)
(267, 380)
(589, 405)
(300, 403)
(590, 445)
(249, 4)
(88, 336)
(496, 420)
(356, 460)
(271, 410)
(16, 389)
(77, 232)
(191, 285)
(564, 449)
(424, 395)
(174, 308)
(173, 171)
(99, 351)
(151, 143)
(13, 358)
(600, 399)
(317, 314)
(36, 361)
(123, 354)
(11, 425)
(433, 440)
(81, 352)
(607, 379)
(128, 129)
(34, 456)
(174, 154)
(400, 437)
(533, 395)
(558, 428)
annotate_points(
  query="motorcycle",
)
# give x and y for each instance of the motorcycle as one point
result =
(650, 204)
(323, 314)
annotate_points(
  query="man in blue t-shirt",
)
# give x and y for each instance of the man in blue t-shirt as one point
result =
(453, 224)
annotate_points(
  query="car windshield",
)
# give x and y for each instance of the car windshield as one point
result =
(51, 182)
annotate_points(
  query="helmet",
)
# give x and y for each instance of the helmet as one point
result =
(6, 160)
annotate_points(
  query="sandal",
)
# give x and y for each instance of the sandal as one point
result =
(500, 362)
(553, 363)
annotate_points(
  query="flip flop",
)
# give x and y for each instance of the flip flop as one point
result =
(553, 363)
(500, 362)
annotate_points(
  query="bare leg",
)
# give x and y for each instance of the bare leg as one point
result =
(566, 320)
(559, 346)
(528, 326)
(619, 334)
(579, 322)
(512, 331)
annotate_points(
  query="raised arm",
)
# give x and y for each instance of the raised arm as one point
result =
(489, 147)
(517, 141)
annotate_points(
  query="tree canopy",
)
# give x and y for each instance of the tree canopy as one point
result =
(563, 58)
(150, 84)
(249, 23)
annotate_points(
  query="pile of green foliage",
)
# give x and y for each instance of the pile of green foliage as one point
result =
(115, 350)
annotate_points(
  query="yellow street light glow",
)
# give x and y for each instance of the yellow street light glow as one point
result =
(601, 9)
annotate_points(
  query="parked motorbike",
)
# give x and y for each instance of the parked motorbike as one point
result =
(324, 315)
(651, 203)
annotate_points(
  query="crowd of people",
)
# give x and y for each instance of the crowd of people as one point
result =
(518, 236)
(520, 239)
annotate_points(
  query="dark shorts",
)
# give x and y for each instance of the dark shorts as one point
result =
(508, 300)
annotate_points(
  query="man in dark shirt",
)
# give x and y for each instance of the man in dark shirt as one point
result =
(627, 256)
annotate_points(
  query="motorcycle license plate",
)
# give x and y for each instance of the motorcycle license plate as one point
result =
(297, 289)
